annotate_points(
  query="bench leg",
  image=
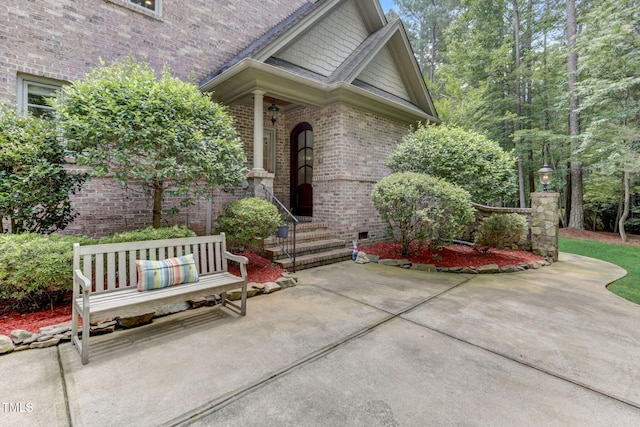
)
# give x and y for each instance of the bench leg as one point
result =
(243, 301)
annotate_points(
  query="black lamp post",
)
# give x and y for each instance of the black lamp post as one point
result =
(545, 175)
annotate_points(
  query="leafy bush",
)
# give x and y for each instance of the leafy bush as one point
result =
(149, 233)
(36, 270)
(421, 207)
(501, 230)
(467, 159)
(34, 186)
(248, 220)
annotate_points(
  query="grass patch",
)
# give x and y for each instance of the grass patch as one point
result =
(625, 256)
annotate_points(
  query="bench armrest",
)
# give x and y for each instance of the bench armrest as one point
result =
(82, 281)
(243, 261)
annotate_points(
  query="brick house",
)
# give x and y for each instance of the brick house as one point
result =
(321, 92)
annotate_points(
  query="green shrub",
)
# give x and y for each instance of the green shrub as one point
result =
(248, 220)
(467, 159)
(501, 230)
(149, 233)
(34, 185)
(421, 207)
(36, 269)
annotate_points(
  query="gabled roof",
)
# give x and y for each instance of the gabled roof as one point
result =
(327, 51)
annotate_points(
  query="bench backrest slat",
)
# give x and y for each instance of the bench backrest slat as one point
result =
(112, 266)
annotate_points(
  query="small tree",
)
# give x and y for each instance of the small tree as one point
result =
(122, 121)
(419, 207)
(467, 159)
(34, 186)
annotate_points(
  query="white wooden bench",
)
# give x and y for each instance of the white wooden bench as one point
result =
(105, 280)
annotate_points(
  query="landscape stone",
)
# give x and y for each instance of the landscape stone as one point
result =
(489, 269)
(270, 287)
(19, 335)
(211, 300)
(236, 294)
(373, 258)
(468, 270)
(135, 320)
(43, 338)
(198, 302)
(63, 337)
(51, 342)
(173, 308)
(394, 262)
(101, 331)
(424, 267)
(55, 329)
(254, 285)
(362, 258)
(21, 347)
(31, 339)
(6, 344)
(286, 274)
(509, 269)
(286, 282)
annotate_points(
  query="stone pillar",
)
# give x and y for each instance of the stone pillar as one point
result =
(258, 176)
(544, 225)
(255, 180)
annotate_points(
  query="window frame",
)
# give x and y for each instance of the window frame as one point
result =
(23, 83)
(154, 13)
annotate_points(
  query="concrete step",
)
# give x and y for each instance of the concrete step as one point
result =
(315, 260)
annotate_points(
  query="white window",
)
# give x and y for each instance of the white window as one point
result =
(153, 5)
(269, 151)
(148, 7)
(33, 93)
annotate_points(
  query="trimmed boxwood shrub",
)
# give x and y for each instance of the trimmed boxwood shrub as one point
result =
(421, 207)
(246, 221)
(501, 230)
(36, 269)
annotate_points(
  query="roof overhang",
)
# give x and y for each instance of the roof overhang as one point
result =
(237, 82)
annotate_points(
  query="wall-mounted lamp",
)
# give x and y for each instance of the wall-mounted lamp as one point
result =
(274, 109)
(545, 175)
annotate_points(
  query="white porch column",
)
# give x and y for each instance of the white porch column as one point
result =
(258, 126)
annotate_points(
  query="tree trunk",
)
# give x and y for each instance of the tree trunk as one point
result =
(157, 204)
(576, 214)
(625, 211)
(516, 30)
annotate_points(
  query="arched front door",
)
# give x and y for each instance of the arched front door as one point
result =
(302, 170)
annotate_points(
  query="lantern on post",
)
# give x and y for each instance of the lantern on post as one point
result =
(545, 174)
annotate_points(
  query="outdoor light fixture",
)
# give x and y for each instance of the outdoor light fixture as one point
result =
(545, 175)
(274, 109)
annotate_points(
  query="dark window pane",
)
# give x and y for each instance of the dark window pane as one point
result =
(149, 4)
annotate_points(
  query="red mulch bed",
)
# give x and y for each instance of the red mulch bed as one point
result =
(258, 270)
(453, 255)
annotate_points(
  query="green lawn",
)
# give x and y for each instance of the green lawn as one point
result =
(625, 256)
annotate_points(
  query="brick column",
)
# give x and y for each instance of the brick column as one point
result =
(544, 225)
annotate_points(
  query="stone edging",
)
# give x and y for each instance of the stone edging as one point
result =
(50, 336)
(486, 269)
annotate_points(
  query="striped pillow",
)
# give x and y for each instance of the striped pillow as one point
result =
(165, 273)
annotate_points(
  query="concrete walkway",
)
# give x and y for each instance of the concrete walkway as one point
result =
(359, 345)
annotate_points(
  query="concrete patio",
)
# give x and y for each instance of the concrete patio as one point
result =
(359, 345)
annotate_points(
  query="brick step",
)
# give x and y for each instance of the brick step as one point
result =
(317, 259)
(303, 236)
(306, 247)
